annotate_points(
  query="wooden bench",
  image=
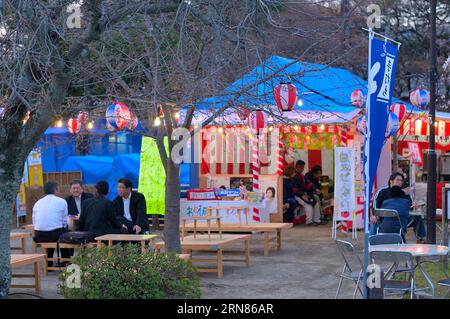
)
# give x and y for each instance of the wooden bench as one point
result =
(239, 210)
(208, 225)
(22, 236)
(265, 228)
(54, 245)
(216, 245)
(30, 228)
(24, 260)
(126, 238)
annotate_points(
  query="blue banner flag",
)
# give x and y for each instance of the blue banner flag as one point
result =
(382, 63)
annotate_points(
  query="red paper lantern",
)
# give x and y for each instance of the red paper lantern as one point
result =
(118, 115)
(132, 124)
(358, 98)
(257, 121)
(82, 117)
(285, 95)
(74, 126)
(399, 110)
(243, 113)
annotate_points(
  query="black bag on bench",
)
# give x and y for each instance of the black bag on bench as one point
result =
(74, 237)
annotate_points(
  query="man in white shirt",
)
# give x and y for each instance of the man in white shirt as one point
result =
(50, 218)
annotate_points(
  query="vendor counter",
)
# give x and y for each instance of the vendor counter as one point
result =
(191, 208)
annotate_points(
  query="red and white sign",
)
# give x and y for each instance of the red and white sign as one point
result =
(414, 151)
(201, 194)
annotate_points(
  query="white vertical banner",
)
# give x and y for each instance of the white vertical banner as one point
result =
(344, 183)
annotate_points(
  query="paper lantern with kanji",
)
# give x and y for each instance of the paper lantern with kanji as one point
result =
(358, 98)
(82, 117)
(132, 124)
(285, 95)
(118, 115)
(420, 98)
(257, 121)
(74, 126)
(243, 113)
(392, 125)
(399, 110)
(362, 125)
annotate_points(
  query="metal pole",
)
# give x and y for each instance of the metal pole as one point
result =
(432, 178)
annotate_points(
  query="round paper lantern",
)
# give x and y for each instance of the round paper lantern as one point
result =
(74, 126)
(132, 124)
(118, 115)
(392, 125)
(110, 127)
(257, 121)
(243, 113)
(285, 95)
(399, 110)
(358, 98)
(420, 98)
(82, 117)
(362, 125)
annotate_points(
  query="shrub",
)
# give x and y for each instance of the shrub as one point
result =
(122, 272)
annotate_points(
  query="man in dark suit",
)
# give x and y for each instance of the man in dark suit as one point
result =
(131, 208)
(77, 198)
(98, 214)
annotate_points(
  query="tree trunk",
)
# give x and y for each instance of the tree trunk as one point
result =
(172, 218)
(11, 171)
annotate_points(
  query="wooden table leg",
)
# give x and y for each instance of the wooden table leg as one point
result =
(44, 250)
(246, 216)
(37, 278)
(247, 252)
(24, 246)
(99, 244)
(219, 225)
(266, 243)
(33, 246)
(219, 264)
(239, 216)
(183, 229)
(278, 239)
(110, 243)
(195, 228)
(142, 246)
(209, 228)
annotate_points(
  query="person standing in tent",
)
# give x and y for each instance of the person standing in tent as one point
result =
(131, 208)
(304, 196)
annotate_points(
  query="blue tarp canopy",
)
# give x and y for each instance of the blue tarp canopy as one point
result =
(110, 169)
(325, 92)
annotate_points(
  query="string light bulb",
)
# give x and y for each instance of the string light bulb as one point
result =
(157, 121)
(300, 102)
(59, 123)
(177, 115)
(90, 125)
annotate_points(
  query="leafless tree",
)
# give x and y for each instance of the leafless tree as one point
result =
(160, 54)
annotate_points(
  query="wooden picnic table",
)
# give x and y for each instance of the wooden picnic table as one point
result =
(265, 228)
(122, 237)
(239, 209)
(21, 260)
(208, 225)
(22, 236)
(202, 243)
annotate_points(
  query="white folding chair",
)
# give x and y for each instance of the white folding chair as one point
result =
(349, 272)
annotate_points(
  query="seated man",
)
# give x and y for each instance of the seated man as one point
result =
(77, 197)
(50, 219)
(131, 208)
(98, 214)
(399, 203)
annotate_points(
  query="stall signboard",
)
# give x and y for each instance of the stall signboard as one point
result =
(228, 192)
(36, 177)
(344, 189)
(201, 194)
(152, 176)
(415, 153)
